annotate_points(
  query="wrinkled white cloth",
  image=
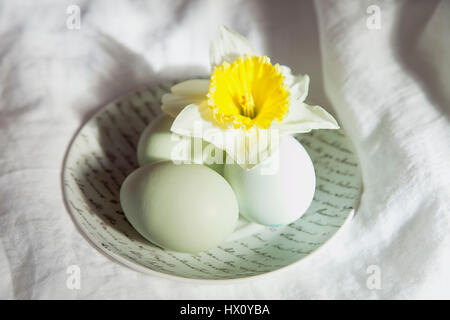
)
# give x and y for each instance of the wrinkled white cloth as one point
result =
(388, 87)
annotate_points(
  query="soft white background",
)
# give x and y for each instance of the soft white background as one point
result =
(388, 87)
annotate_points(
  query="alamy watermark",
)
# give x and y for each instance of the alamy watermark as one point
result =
(250, 147)
(373, 21)
(73, 281)
(373, 281)
(73, 21)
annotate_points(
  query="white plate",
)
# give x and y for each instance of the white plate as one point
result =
(103, 153)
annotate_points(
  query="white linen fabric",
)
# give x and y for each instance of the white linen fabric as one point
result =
(387, 86)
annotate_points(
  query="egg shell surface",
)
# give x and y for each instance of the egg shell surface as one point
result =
(186, 208)
(158, 143)
(279, 190)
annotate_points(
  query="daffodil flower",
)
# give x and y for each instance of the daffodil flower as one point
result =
(246, 98)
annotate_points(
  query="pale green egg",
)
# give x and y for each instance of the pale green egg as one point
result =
(185, 208)
(158, 143)
(279, 190)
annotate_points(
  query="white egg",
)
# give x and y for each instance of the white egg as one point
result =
(277, 191)
(158, 143)
(186, 208)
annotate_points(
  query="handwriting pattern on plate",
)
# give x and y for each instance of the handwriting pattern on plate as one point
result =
(104, 153)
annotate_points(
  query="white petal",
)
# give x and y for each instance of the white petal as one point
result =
(191, 88)
(172, 104)
(304, 118)
(298, 84)
(183, 94)
(228, 46)
(186, 121)
(193, 121)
